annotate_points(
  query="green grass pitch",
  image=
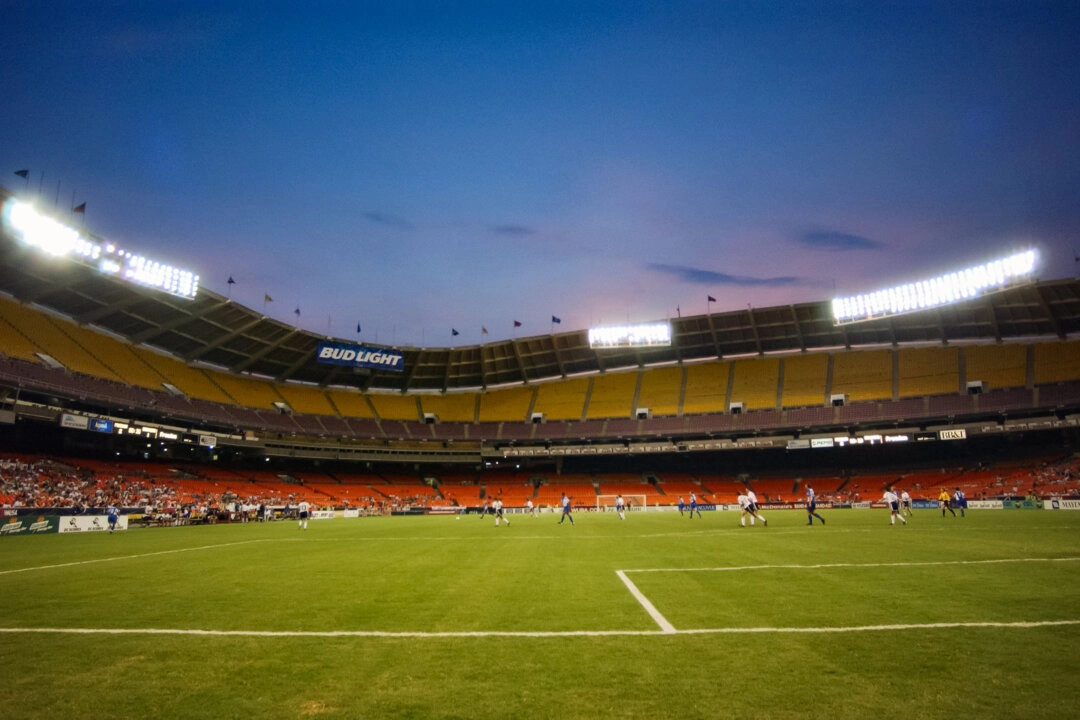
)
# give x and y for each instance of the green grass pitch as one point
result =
(436, 617)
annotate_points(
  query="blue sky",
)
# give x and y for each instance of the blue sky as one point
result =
(417, 167)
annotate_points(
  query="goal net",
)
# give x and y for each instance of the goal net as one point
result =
(632, 502)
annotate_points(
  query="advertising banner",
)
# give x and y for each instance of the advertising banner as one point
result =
(90, 523)
(1060, 504)
(77, 422)
(29, 525)
(1021, 504)
(336, 353)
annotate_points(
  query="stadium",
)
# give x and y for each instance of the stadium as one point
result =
(208, 424)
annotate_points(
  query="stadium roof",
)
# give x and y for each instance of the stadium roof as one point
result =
(214, 330)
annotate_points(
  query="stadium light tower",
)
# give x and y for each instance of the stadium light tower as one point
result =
(51, 237)
(942, 290)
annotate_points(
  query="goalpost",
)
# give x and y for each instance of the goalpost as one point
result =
(606, 503)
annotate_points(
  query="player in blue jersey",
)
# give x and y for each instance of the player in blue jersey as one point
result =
(693, 506)
(566, 510)
(114, 517)
(682, 505)
(811, 507)
(959, 501)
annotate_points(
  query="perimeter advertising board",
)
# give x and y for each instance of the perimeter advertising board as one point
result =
(30, 525)
(361, 356)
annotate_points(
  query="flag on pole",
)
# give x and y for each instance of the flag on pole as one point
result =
(81, 209)
(556, 320)
(24, 174)
(297, 311)
(454, 332)
(711, 298)
(267, 298)
(517, 324)
(231, 281)
(483, 330)
(357, 328)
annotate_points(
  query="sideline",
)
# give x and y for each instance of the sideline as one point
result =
(532, 634)
(134, 557)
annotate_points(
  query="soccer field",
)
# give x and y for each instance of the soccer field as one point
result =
(657, 616)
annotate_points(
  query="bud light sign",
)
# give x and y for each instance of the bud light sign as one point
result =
(361, 356)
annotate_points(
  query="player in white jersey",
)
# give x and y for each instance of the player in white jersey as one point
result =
(497, 508)
(620, 507)
(743, 502)
(893, 501)
(752, 507)
(905, 503)
(304, 511)
(530, 508)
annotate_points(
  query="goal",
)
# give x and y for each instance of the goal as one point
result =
(633, 502)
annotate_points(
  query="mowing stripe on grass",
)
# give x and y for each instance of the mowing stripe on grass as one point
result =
(132, 557)
(1021, 624)
(820, 566)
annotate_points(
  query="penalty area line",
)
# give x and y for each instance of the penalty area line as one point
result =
(665, 626)
(535, 634)
(826, 566)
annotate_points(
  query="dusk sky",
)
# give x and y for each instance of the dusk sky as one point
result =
(417, 167)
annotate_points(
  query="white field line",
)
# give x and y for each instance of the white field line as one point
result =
(665, 626)
(132, 557)
(532, 634)
(850, 565)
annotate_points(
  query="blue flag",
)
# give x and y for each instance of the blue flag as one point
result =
(555, 319)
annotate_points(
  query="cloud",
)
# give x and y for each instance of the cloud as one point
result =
(512, 230)
(389, 220)
(838, 241)
(710, 277)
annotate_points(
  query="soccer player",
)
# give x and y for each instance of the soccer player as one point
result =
(743, 502)
(959, 501)
(530, 507)
(497, 506)
(893, 501)
(566, 510)
(620, 507)
(114, 517)
(943, 501)
(693, 506)
(682, 505)
(304, 508)
(752, 507)
(905, 502)
(811, 507)
(484, 510)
